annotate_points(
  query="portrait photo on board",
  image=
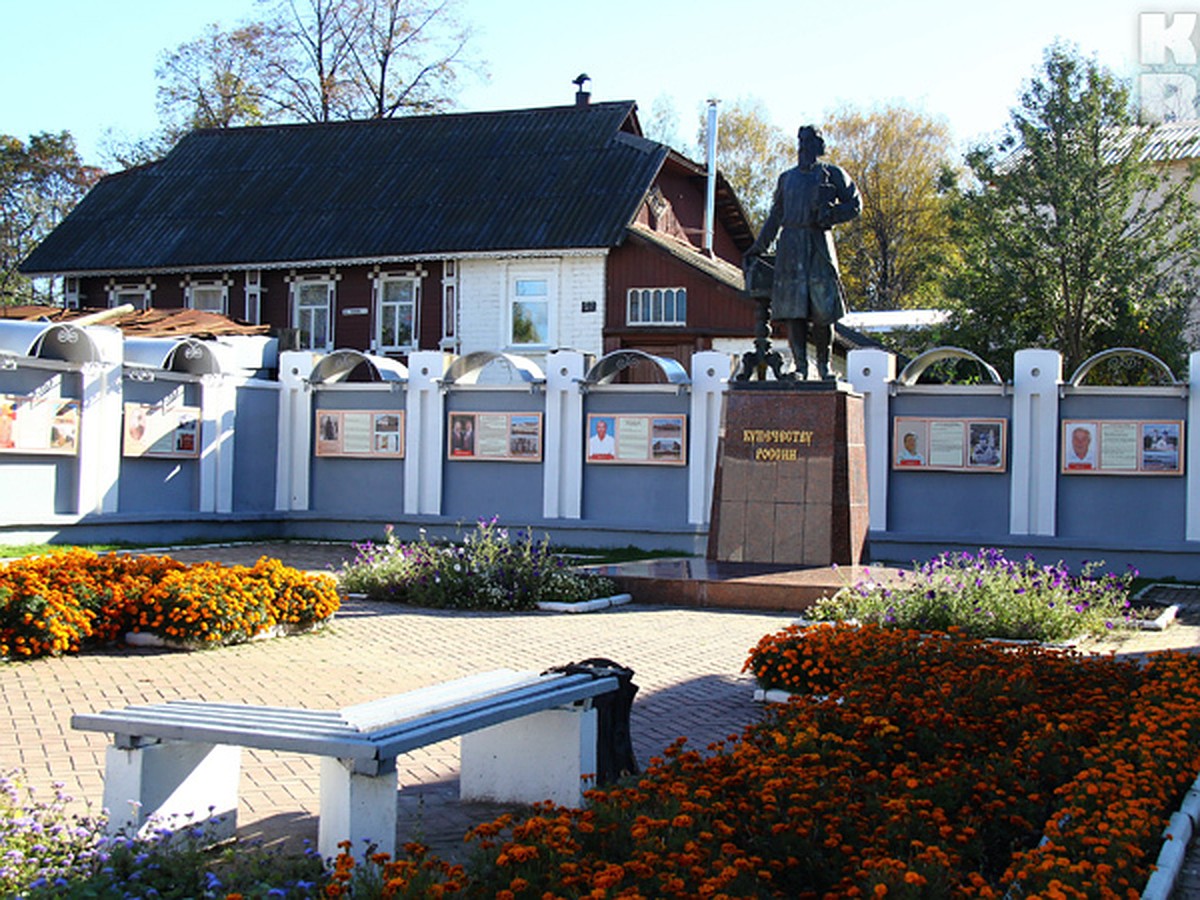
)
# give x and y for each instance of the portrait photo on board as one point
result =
(602, 442)
(1079, 446)
(462, 435)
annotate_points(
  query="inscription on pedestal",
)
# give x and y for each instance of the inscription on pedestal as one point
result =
(791, 479)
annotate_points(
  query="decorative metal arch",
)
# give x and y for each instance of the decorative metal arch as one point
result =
(466, 369)
(356, 366)
(613, 364)
(916, 368)
(190, 356)
(61, 341)
(1096, 359)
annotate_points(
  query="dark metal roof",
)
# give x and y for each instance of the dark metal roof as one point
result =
(550, 178)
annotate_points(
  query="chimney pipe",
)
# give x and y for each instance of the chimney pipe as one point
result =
(582, 97)
(710, 200)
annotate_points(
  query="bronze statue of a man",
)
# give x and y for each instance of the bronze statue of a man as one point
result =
(809, 200)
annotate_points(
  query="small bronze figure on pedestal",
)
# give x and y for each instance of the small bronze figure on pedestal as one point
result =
(805, 290)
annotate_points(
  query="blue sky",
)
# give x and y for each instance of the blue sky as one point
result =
(88, 65)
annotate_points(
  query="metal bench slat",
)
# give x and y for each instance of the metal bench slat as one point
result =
(274, 713)
(541, 686)
(475, 717)
(199, 714)
(376, 714)
(330, 740)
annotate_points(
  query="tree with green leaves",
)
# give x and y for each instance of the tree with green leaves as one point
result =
(751, 153)
(897, 253)
(40, 181)
(219, 79)
(1074, 239)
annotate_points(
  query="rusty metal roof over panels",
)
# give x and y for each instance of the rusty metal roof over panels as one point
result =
(534, 179)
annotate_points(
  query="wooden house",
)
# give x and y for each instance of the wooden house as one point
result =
(518, 231)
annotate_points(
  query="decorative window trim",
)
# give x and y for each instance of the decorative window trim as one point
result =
(381, 280)
(298, 282)
(71, 293)
(253, 297)
(649, 307)
(449, 339)
(141, 295)
(190, 287)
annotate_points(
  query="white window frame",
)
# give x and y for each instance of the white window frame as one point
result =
(647, 307)
(71, 292)
(518, 276)
(298, 288)
(140, 295)
(381, 303)
(254, 290)
(207, 285)
(449, 339)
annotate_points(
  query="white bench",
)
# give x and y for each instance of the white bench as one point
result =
(526, 737)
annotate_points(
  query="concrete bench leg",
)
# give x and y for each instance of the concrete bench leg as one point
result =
(356, 807)
(174, 786)
(542, 756)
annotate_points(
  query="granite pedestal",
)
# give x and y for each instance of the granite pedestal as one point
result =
(791, 480)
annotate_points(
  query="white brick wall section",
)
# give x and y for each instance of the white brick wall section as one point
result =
(582, 281)
(483, 293)
(480, 291)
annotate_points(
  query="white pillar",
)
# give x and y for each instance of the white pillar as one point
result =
(356, 807)
(293, 449)
(871, 372)
(710, 377)
(173, 785)
(1037, 375)
(99, 460)
(1193, 448)
(218, 405)
(563, 470)
(423, 431)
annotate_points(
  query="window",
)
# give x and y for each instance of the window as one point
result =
(210, 296)
(657, 306)
(531, 311)
(449, 339)
(136, 295)
(253, 313)
(398, 302)
(314, 313)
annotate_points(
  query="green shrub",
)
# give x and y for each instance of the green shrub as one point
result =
(487, 570)
(987, 595)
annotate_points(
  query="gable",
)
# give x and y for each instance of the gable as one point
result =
(556, 178)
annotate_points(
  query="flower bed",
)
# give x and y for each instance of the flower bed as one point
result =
(487, 570)
(62, 602)
(988, 595)
(934, 766)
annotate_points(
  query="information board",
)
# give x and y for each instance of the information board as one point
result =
(949, 444)
(494, 436)
(636, 439)
(361, 433)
